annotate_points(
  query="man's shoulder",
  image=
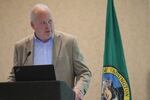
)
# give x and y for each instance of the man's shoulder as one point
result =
(64, 35)
(25, 40)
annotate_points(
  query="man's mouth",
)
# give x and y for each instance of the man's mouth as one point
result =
(47, 31)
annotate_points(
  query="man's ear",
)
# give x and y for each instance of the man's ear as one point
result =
(32, 25)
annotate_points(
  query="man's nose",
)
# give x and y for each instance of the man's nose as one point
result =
(47, 25)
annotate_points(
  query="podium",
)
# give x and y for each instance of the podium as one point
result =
(44, 90)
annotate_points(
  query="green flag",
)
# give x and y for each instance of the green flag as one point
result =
(115, 81)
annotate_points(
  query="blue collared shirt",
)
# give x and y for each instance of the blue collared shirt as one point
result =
(43, 51)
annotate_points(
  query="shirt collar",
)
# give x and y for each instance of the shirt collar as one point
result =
(38, 39)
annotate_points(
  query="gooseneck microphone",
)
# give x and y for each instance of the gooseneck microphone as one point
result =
(28, 54)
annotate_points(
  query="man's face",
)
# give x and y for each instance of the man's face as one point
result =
(43, 25)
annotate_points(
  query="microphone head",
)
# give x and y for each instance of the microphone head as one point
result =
(29, 53)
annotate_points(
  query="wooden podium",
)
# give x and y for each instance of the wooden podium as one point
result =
(44, 90)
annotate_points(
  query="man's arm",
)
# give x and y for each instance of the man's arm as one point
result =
(82, 73)
(11, 77)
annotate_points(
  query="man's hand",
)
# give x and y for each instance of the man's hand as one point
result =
(78, 94)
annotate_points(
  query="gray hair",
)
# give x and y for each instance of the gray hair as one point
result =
(35, 10)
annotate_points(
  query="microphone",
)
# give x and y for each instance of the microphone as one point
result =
(28, 54)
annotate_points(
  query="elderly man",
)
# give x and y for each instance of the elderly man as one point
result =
(47, 46)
